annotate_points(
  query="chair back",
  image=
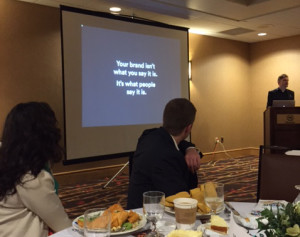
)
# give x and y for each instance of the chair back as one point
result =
(278, 174)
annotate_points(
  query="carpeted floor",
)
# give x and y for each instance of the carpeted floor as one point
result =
(239, 176)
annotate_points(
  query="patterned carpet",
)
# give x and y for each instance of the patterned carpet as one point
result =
(239, 176)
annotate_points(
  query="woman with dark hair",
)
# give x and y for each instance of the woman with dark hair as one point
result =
(29, 205)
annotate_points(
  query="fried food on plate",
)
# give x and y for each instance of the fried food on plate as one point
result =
(118, 217)
(114, 208)
(133, 216)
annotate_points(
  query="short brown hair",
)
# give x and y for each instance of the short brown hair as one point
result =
(178, 114)
(282, 77)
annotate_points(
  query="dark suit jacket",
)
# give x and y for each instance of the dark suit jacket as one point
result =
(277, 94)
(158, 166)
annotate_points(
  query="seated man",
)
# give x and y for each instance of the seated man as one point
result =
(162, 160)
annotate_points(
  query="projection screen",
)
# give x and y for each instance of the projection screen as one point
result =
(118, 74)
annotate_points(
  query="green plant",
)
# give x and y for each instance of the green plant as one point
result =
(282, 222)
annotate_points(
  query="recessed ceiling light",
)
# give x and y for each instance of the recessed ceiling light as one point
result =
(262, 34)
(115, 9)
(199, 31)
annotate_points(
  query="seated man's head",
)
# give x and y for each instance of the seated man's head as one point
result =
(179, 115)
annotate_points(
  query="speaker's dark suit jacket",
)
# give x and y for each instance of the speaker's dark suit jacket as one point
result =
(277, 94)
(158, 166)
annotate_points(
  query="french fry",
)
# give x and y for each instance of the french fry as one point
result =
(196, 193)
(211, 189)
(202, 208)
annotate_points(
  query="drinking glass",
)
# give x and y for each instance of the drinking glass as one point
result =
(153, 208)
(97, 223)
(214, 196)
(298, 197)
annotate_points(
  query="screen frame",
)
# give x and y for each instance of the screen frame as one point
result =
(124, 18)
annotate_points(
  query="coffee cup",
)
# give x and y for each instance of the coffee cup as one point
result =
(185, 213)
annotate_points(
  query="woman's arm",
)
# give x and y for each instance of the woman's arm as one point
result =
(38, 195)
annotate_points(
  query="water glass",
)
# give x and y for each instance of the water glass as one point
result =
(153, 207)
(97, 223)
(298, 197)
(214, 196)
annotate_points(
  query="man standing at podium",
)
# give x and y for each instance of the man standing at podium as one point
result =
(281, 93)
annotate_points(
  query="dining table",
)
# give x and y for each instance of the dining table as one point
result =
(167, 223)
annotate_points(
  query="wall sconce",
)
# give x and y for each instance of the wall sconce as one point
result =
(190, 70)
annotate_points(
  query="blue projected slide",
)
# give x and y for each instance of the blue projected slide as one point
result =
(127, 78)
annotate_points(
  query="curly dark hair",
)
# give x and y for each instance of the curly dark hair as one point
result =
(30, 140)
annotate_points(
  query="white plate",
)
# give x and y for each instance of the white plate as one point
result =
(250, 223)
(201, 216)
(142, 223)
(165, 226)
(205, 228)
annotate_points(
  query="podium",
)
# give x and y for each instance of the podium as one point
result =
(282, 127)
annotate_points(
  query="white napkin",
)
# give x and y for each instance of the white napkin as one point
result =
(248, 222)
(268, 204)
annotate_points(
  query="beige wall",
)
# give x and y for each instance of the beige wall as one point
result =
(229, 86)
(31, 68)
(220, 90)
(30, 58)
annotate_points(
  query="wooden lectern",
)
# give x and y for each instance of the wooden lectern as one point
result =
(282, 127)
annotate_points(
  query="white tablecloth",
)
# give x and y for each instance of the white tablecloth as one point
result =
(243, 208)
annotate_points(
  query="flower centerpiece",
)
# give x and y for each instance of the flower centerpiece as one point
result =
(282, 222)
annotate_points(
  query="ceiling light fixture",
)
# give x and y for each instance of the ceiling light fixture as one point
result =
(199, 31)
(115, 9)
(262, 34)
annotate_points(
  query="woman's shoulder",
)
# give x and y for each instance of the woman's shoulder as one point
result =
(30, 181)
